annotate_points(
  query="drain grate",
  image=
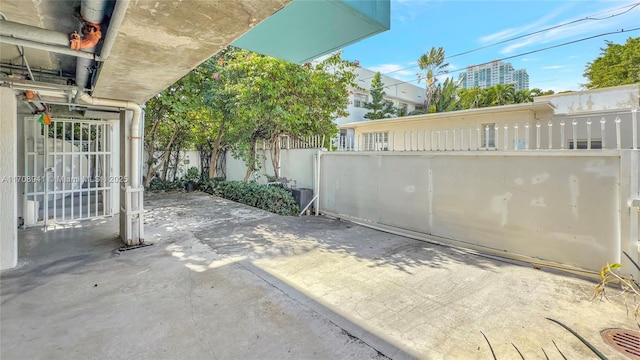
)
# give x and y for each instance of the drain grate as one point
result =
(625, 341)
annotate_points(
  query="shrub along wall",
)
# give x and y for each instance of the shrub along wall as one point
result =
(267, 197)
(272, 198)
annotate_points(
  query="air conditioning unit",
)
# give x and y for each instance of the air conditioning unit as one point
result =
(303, 196)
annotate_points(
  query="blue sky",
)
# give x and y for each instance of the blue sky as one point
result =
(459, 26)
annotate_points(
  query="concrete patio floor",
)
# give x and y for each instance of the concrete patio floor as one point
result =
(227, 281)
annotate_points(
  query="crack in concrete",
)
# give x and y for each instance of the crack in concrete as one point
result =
(193, 320)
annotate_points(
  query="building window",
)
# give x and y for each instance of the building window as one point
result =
(582, 144)
(403, 106)
(488, 135)
(375, 141)
(360, 99)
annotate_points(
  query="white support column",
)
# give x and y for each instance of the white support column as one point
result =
(8, 183)
(131, 193)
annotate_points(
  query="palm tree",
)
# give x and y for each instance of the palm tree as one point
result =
(502, 94)
(433, 65)
(471, 98)
(522, 96)
(445, 96)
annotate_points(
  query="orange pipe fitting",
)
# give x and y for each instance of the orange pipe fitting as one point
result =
(91, 35)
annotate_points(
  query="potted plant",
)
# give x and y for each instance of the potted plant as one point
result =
(192, 177)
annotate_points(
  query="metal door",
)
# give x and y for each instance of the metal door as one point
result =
(67, 170)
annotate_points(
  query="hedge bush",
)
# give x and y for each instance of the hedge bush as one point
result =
(271, 198)
(162, 185)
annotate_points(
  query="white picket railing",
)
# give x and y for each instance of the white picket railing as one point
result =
(288, 142)
(575, 133)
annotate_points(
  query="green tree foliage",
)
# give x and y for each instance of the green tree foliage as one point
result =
(500, 94)
(400, 111)
(212, 129)
(380, 108)
(616, 65)
(269, 97)
(522, 96)
(471, 98)
(239, 98)
(433, 65)
(445, 96)
(167, 123)
(539, 92)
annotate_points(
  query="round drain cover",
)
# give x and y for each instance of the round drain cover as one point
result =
(625, 341)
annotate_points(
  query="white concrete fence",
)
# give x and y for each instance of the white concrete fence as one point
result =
(575, 210)
(564, 193)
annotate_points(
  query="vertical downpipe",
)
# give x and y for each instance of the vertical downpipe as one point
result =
(317, 204)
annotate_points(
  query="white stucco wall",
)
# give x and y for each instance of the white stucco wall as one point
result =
(8, 187)
(295, 164)
(553, 206)
(605, 99)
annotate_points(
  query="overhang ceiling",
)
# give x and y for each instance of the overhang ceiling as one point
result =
(159, 41)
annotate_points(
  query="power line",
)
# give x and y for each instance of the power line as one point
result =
(532, 52)
(633, 6)
(630, 7)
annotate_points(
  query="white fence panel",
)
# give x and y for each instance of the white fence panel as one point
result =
(557, 206)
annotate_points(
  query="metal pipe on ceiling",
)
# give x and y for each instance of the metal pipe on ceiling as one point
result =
(117, 16)
(47, 47)
(27, 32)
(36, 85)
(91, 11)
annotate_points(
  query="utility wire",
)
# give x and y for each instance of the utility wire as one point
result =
(544, 30)
(531, 52)
(630, 7)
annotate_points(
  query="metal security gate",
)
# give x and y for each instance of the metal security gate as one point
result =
(67, 170)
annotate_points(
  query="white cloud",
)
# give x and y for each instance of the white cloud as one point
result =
(397, 71)
(553, 67)
(508, 33)
(393, 70)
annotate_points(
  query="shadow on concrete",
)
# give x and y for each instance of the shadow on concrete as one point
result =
(238, 230)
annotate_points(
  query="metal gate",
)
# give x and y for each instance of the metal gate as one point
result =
(67, 170)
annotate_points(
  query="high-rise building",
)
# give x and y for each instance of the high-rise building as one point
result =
(493, 73)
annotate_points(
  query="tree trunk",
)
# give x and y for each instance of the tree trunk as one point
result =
(275, 156)
(252, 163)
(163, 158)
(216, 150)
(150, 143)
